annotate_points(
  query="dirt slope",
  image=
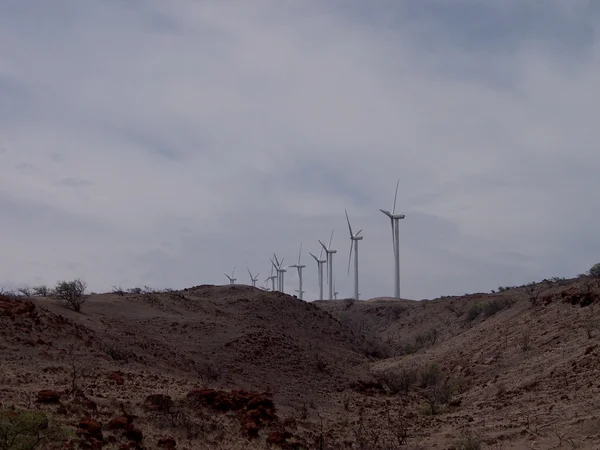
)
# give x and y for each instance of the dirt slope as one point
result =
(232, 337)
(517, 369)
(528, 373)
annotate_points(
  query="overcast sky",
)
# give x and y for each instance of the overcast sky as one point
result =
(162, 143)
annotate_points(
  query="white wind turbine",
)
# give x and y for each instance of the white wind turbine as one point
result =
(335, 293)
(272, 278)
(320, 263)
(231, 279)
(395, 222)
(329, 252)
(253, 278)
(280, 272)
(354, 238)
(299, 267)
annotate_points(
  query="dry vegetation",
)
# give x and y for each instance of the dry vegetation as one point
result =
(235, 367)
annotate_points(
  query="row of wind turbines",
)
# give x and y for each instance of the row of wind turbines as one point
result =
(277, 280)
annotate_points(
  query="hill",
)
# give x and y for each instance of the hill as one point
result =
(236, 367)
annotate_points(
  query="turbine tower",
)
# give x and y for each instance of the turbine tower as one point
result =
(231, 279)
(354, 238)
(253, 278)
(272, 278)
(335, 293)
(329, 252)
(280, 272)
(299, 267)
(320, 263)
(395, 223)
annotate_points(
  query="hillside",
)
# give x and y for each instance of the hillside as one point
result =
(235, 367)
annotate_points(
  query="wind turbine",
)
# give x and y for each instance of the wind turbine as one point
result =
(272, 278)
(335, 293)
(354, 238)
(395, 222)
(253, 278)
(329, 253)
(299, 267)
(280, 272)
(231, 279)
(320, 263)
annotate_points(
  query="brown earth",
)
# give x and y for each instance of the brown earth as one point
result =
(235, 367)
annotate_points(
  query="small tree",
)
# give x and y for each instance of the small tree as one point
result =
(71, 292)
(595, 272)
(41, 291)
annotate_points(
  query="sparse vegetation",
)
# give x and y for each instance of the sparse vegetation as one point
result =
(72, 293)
(473, 312)
(594, 272)
(116, 352)
(468, 442)
(428, 338)
(207, 371)
(27, 430)
(397, 381)
(533, 291)
(118, 290)
(495, 306)
(525, 340)
(591, 326)
(25, 292)
(42, 291)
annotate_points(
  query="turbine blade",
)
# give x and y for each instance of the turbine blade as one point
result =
(322, 245)
(300, 254)
(387, 213)
(249, 273)
(396, 196)
(331, 238)
(358, 232)
(315, 258)
(233, 273)
(278, 263)
(321, 252)
(348, 220)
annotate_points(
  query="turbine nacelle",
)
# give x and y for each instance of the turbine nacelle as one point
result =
(392, 215)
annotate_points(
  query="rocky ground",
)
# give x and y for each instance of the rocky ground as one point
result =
(235, 367)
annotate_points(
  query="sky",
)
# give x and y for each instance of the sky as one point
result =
(145, 142)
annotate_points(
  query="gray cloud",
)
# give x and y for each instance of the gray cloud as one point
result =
(219, 132)
(73, 182)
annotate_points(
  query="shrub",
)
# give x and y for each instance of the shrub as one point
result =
(439, 388)
(71, 292)
(25, 292)
(26, 430)
(473, 312)
(42, 291)
(136, 290)
(427, 338)
(533, 292)
(494, 306)
(467, 442)
(595, 272)
(118, 290)
(397, 381)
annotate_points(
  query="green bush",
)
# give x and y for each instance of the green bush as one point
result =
(26, 430)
